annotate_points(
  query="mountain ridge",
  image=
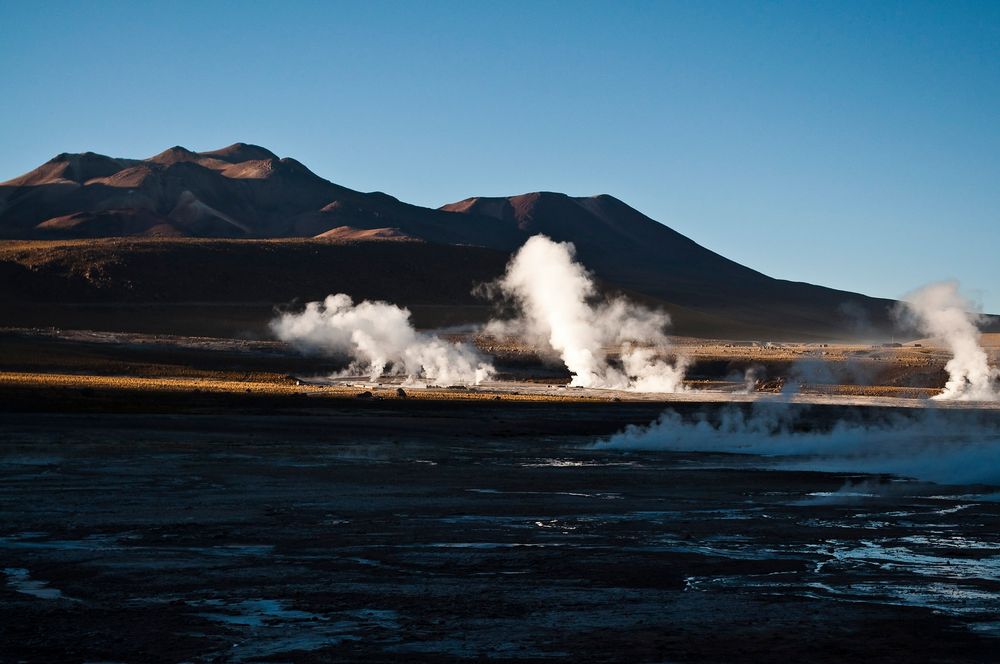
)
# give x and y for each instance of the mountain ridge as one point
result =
(245, 191)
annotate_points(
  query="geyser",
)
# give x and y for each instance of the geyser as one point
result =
(379, 339)
(554, 296)
(939, 310)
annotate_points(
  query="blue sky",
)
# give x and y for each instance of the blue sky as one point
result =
(852, 144)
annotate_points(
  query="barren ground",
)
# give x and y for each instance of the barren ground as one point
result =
(182, 499)
(76, 363)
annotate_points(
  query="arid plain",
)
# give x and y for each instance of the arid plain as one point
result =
(208, 499)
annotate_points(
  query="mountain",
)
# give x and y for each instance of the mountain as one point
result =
(629, 249)
(247, 192)
(241, 191)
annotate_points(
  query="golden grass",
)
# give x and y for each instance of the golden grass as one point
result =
(275, 387)
(991, 340)
(129, 371)
(145, 383)
(136, 387)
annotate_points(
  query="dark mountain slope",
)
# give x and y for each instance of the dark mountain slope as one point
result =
(628, 248)
(247, 192)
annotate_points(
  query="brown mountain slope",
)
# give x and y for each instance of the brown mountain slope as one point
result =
(627, 248)
(247, 192)
(348, 234)
(242, 191)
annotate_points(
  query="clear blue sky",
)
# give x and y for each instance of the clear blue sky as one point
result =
(856, 145)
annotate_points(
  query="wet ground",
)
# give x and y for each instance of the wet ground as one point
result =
(482, 533)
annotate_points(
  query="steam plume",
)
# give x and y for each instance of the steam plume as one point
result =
(380, 340)
(940, 311)
(554, 296)
(953, 448)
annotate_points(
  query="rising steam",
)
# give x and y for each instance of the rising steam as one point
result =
(554, 296)
(940, 311)
(952, 448)
(379, 339)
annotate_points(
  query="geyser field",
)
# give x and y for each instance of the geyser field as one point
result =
(567, 482)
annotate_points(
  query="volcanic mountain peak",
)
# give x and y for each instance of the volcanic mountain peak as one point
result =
(596, 224)
(251, 161)
(239, 191)
(173, 155)
(240, 152)
(523, 209)
(238, 161)
(70, 167)
(297, 167)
